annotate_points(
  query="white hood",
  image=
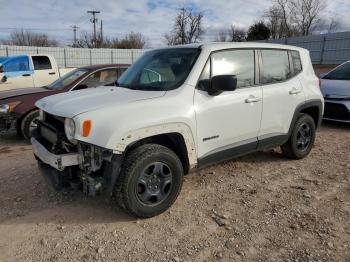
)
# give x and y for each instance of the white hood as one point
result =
(77, 102)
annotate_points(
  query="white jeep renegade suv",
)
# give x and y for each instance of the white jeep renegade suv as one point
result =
(174, 110)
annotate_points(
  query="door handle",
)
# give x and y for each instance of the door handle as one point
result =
(294, 91)
(52, 73)
(252, 99)
(26, 75)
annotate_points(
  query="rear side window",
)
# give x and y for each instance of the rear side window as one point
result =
(240, 63)
(41, 63)
(296, 62)
(275, 66)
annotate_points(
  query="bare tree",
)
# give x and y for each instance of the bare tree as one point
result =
(233, 34)
(129, 41)
(27, 38)
(306, 14)
(286, 18)
(187, 29)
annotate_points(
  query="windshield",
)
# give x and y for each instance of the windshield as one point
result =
(67, 79)
(340, 73)
(160, 70)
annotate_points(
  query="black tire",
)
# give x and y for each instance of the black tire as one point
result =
(131, 194)
(27, 122)
(298, 147)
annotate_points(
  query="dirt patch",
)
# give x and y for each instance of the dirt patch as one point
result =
(261, 207)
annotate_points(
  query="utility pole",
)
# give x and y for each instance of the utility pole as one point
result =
(75, 34)
(94, 20)
(101, 40)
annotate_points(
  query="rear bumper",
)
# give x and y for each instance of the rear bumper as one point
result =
(59, 162)
(337, 110)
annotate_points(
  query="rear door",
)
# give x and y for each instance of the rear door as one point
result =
(282, 90)
(17, 74)
(44, 71)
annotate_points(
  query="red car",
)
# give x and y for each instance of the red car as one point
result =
(17, 107)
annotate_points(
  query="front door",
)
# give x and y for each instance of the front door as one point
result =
(17, 74)
(44, 72)
(229, 121)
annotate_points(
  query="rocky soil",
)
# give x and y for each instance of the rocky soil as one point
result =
(260, 207)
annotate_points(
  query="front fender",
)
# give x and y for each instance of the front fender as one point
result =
(121, 142)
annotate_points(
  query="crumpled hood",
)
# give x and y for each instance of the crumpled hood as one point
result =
(21, 92)
(335, 88)
(77, 102)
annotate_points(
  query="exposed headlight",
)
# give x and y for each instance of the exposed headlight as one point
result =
(9, 107)
(69, 128)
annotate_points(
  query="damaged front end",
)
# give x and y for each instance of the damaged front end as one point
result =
(7, 121)
(83, 166)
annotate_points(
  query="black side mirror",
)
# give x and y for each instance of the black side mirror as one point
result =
(222, 83)
(80, 87)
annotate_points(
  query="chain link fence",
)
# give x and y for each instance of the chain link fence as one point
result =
(327, 49)
(77, 57)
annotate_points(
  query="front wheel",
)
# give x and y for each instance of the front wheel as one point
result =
(28, 124)
(302, 138)
(150, 180)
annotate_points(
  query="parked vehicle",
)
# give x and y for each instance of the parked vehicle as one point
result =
(29, 71)
(177, 109)
(17, 107)
(335, 87)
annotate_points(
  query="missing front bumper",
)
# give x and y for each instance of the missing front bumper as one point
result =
(58, 162)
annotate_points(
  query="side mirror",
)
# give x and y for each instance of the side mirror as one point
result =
(2, 69)
(80, 87)
(222, 83)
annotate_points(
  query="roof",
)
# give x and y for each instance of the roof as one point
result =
(101, 66)
(213, 46)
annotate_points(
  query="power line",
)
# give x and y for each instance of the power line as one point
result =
(94, 20)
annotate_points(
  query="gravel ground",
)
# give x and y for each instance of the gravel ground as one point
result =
(261, 207)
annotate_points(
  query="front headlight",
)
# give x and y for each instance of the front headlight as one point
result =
(69, 128)
(9, 107)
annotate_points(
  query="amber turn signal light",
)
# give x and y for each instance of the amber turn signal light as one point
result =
(86, 128)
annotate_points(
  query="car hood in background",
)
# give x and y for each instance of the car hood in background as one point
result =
(77, 102)
(335, 88)
(21, 92)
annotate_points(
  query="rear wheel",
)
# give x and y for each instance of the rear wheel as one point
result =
(150, 180)
(302, 138)
(28, 124)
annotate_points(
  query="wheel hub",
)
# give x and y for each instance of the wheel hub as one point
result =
(154, 183)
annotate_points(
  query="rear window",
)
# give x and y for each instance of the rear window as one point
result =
(275, 66)
(41, 63)
(296, 61)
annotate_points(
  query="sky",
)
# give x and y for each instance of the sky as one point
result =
(153, 18)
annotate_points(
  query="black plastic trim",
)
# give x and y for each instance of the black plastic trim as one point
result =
(262, 144)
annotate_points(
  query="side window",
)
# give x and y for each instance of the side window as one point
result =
(296, 61)
(275, 66)
(41, 63)
(101, 78)
(149, 76)
(240, 63)
(17, 64)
